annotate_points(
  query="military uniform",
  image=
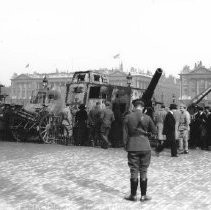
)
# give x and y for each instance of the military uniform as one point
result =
(107, 117)
(183, 132)
(94, 124)
(159, 117)
(136, 126)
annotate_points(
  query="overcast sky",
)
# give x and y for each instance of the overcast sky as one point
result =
(86, 34)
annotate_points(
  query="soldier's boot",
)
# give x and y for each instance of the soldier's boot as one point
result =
(133, 190)
(143, 186)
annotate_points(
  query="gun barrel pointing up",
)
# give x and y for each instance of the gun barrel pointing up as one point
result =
(147, 95)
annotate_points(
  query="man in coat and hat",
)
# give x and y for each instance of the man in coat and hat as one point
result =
(169, 129)
(81, 121)
(136, 128)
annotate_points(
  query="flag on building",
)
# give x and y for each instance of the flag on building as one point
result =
(116, 56)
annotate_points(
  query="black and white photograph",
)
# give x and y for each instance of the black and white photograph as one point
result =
(105, 105)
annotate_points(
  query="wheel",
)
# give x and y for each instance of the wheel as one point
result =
(44, 129)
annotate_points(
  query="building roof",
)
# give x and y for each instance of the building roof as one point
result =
(198, 69)
(41, 76)
(201, 70)
(123, 73)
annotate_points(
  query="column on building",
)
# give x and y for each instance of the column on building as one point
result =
(29, 88)
(137, 83)
(205, 83)
(25, 93)
(188, 87)
(12, 90)
(197, 87)
(20, 89)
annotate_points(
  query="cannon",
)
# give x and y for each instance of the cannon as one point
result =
(192, 106)
(148, 93)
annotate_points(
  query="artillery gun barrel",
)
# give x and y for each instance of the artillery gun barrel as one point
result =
(25, 115)
(199, 97)
(192, 105)
(19, 112)
(147, 95)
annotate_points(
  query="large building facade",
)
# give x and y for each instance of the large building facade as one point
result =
(193, 82)
(23, 85)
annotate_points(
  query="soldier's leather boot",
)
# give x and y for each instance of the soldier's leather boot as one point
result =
(143, 186)
(133, 189)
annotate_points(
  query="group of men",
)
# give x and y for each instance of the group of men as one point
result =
(200, 128)
(173, 125)
(190, 131)
(96, 125)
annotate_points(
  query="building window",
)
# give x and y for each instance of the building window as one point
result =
(94, 92)
(81, 77)
(96, 78)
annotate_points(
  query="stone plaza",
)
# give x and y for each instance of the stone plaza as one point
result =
(41, 176)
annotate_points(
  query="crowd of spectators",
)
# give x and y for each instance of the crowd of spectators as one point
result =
(200, 128)
(190, 131)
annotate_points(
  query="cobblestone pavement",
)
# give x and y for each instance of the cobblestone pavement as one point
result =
(39, 176)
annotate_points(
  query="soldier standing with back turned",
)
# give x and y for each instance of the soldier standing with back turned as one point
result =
(136, 127)
(107, 117)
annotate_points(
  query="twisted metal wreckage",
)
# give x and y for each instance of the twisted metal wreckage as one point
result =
(50, 114)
